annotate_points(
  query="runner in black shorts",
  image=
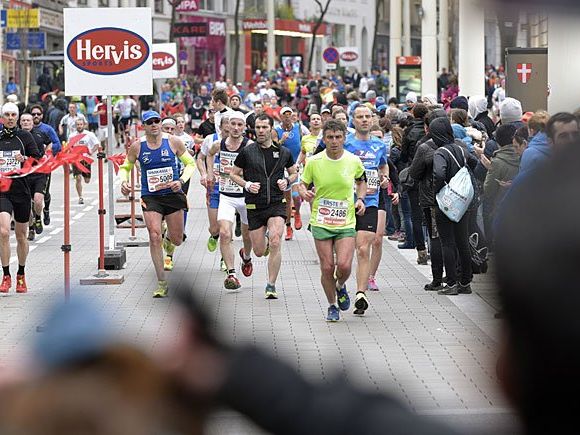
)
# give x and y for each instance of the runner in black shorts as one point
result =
(259, 168)
(16, 146)
(36, 182)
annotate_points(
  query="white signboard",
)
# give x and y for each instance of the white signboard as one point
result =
(165, 61)
(106, 53)
(349, 57)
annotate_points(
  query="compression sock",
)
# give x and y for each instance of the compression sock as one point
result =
(20, 269)
(6, 270)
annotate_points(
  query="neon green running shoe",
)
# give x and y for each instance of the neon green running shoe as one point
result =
(271, 292)
(161, 291)
(211, 244)
(168, 263)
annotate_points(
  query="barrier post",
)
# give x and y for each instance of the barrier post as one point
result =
(133, 241)
(102, 276)
(66, 247)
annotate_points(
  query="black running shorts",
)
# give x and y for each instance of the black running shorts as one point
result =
(164, 204)
(37, 183)
(258, 218)
(20, 206)
(368, 221)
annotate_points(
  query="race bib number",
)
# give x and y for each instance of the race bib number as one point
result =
(158, 179)
(8, 162)
(373, 182)
(227, 160)
(331, 212)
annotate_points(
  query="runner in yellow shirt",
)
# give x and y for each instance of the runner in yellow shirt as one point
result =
(310, 141)
(333, 173)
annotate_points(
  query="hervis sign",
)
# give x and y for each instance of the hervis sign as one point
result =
(165, 61)
(107, 54)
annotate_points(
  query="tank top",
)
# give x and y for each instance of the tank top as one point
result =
(158, 167)
(226, 161)
(216, 167)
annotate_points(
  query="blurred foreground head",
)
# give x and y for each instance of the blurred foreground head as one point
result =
(538, 261)
(90, 382)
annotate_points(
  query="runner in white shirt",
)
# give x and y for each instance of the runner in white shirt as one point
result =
(89, 140)
(125, 108)
(69, 121)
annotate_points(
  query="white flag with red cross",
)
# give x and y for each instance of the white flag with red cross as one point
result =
(524, 71)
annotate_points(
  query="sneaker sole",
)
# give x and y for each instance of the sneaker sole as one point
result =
(332, 320)
(271, 296)
(361, 304)
(232, 286)
(359, 312)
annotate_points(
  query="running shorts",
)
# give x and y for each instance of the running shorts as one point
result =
(37, 183)
(213, 199)
(320, 233)
(164, 204)
(228, 207)
(19, 206)
(76, 171)
(258, 218)
(368, 221)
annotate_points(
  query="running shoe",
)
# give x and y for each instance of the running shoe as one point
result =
(433, 286)
(333, 314)
(211, 244)
(297, 220)
(81, 200)
(21, 286)
(168, 246)
(168, 263)
(343, 298)
(361, 303)
(289, 232)
(46, 214)
(223, 266)
(271, 292)
(161, 291)
(6, 284)
(31, 234)
(464, 289)
(232, 282)
(38, 225)
(247, 266)
(372, 285)
(449, 290)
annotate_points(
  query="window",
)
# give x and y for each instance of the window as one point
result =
(159, 6)
(207, 5)
(142, 3)
(103, 3)
(82, 2)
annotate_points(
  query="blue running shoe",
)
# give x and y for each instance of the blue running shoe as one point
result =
(343, 298)
(333, 314)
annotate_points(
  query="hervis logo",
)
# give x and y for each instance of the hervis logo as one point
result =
(349, 56)
(162, 60)
(107, 51)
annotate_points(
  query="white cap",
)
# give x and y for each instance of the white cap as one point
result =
(234, 114)
(10, 108)
(12, 98)
(169, 121)
(286, 109)
(411, 97)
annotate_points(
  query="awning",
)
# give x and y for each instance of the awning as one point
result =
(54, 56)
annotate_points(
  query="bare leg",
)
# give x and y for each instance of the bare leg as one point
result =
(324, 249)
(38, 203)
(214, 228)
(363, 249)
(5, 238)
(344, 249)
(275, 230)
(226, 243)
(79, 186)
(247, 241)
(153, 223)
(377, 245)
(21, 231)
(175, 227)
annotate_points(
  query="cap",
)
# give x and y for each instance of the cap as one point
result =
(169, 121)
(325, 110)
(150, 114)
(234, 114)
(10, 108)
(286, 109)
(411, 97)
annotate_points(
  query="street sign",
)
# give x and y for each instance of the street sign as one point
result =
(330, 55)
(350, 57)
(330, 66)
(188, 6)
(23, 18)
(165, 61)
(34, 41)
(3, 18)
(106, 54)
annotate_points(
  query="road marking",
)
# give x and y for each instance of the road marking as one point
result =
(55, 232)
(43, 239)
(78, 215)
(89, 208)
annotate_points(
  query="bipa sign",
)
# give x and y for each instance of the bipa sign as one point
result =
(165, 61)
(102, 44)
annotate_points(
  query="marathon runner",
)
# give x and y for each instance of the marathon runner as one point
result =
(259, 168)
(36, 182)
(190, 146)
(68, 122)
(231, 199)
(83, 137)
(333, 173)
(290, 135)
(161, 189)
(208, 181)
(373, 154)
(310, 141)
(37, 113)
(16, 145)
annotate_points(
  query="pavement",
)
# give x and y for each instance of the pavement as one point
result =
(436, 353)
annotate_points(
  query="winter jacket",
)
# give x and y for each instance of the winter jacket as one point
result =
(444, 167)
(505, 166)
(422, 172)
(487, 122)
(413, 134)
(537, 152)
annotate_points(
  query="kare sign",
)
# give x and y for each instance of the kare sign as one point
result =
(165, 61)
(106, 54)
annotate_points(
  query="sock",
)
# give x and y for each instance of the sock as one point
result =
(6, 270)
(232, 272)
(246, 256)
(21, 269)
(36, 216)
(288, 224)
(217, 236)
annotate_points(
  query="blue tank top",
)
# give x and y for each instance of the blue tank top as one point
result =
(158, 167)
(294, 140)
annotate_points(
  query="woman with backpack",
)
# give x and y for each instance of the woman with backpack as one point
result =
(449, 158)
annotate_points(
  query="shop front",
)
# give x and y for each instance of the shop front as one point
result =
(292, 44)
(202, 45)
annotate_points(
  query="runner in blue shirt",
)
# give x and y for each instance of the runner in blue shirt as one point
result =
(373, 154)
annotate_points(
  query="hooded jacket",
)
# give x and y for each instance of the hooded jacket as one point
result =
(422, 172)
(413, 134)
(504, 167)
(537, 152)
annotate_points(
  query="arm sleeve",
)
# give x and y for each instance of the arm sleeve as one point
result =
(30, 147)
(439, 171)
(125, 170)
(189, 162)
(417, 169)
(56, 145)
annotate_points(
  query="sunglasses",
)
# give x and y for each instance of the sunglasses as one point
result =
(152, 121)
(36, 114)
